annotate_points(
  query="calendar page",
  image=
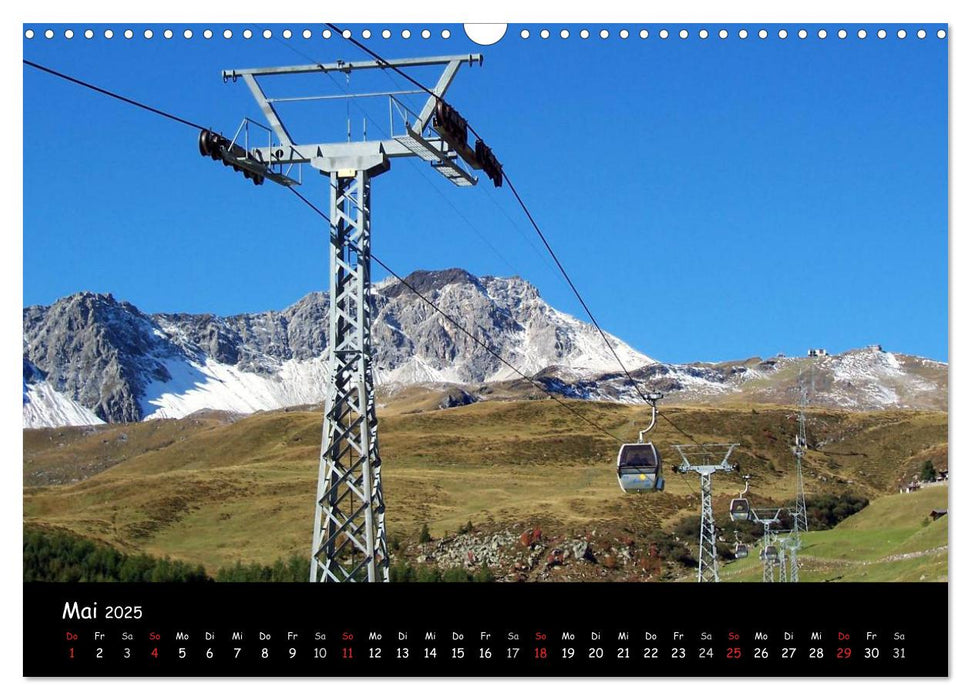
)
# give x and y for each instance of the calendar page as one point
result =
(582, 349)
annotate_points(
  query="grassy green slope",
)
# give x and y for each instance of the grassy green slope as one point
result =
(213, 491)
(892, 539)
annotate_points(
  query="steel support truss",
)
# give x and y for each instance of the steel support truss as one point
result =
(707, 550)
(793, 545)
(767, 518)
(769, 566)
(704, 460)
(349, 542)
(789, 547)
(800, 520)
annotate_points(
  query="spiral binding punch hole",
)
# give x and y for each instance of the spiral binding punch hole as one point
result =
(491, 34)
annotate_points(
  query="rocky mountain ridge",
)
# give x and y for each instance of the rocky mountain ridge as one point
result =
(125, 365)
(90, 357)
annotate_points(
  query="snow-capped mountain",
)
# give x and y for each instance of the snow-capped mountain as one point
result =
(90, 358)
(862, 379)
(107, 356)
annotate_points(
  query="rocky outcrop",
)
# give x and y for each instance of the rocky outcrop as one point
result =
(107, 355)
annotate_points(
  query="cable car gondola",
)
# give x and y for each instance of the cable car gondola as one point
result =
(740, 508)
(741, 549)
(799, 448)
(771, 553)
(639, 468)
(639, 463)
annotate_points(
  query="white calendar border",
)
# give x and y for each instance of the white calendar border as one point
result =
(888, 11)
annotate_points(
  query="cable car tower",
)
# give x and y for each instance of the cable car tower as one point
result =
(800, 522)
(791, 544)
(349, 540)
(770, 555)
(702, 459)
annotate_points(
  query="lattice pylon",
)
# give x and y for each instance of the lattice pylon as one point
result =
(707, 550)
(793, 542)
(703, 460)
(800, 521)
(768, 568)
(800, 518)
(349, 541)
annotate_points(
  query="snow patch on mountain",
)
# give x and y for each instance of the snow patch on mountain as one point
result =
(874, 375)
(44, 406)
(196, 385)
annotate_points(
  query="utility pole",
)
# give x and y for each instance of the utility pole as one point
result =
(703, 460)
(349, 539)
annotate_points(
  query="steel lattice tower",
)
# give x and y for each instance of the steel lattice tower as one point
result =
(768, 568)
(707, 550)
(350, 543)
(800, 519)
(701, 460)
(793, 542)
(349, 540)
(767, 518)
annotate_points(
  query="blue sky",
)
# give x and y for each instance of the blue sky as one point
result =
(712, 199)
